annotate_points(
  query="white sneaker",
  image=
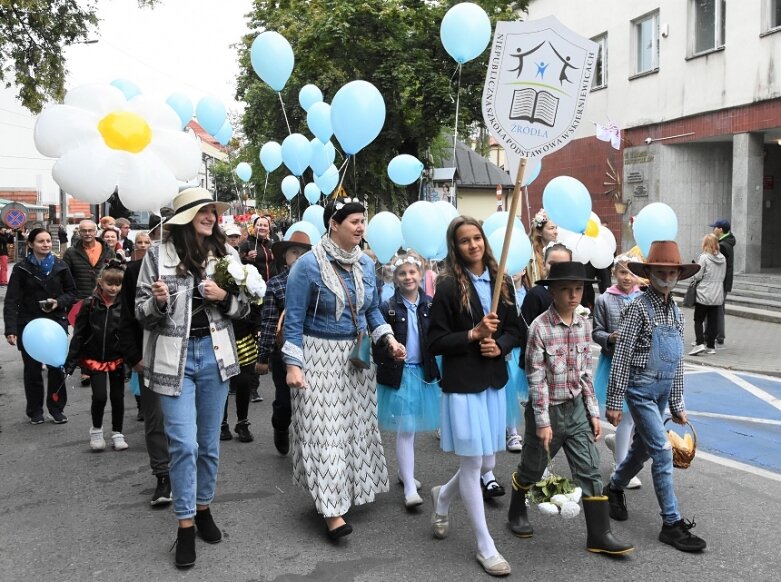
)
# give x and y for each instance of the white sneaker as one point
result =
(634, 483)
(698, 349)
(610, 443)
(711, 351)
(96, 440)
(694, 343)
(118, 441)
(514, 443)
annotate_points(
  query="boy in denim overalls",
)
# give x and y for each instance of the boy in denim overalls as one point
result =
(648, 371)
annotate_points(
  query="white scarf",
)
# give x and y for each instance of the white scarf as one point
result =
(325, 250)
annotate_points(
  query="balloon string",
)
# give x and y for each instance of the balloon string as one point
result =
(263, 198)
(458, 104)
(284, 113)
(341, 178)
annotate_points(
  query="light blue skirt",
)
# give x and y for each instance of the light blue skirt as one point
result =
(601, 377)
(517, 388)
(413, 407)
(473, 425)
(135, 385)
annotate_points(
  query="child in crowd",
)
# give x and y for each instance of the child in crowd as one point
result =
(408, 392)
(563, 411)
(95, 347)
(271, 318)
(473, 341)
(140, 246)
(607, 316)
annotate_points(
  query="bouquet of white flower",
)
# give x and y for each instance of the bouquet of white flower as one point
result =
(556, 495)
(234, 277)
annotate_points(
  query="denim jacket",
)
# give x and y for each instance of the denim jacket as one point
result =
(310, 308)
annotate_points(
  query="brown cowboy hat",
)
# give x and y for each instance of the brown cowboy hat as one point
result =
(297, 239)
(664, 253)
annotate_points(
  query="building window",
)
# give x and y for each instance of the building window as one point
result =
(772, 15)
(706, 18)
(646, 43)
(600, 68)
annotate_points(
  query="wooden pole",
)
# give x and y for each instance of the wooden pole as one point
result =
(508, 233)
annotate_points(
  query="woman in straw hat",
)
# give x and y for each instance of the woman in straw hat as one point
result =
(190, 354)
(647, 370)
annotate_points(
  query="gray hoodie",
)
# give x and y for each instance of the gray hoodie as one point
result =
(710, 289)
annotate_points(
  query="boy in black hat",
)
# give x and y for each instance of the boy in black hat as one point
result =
(563, 410)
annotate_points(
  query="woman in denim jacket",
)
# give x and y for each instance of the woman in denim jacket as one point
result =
(331, 296)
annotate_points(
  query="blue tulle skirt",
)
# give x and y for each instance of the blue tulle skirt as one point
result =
(413, 407)
(517, 388)
(474, 425)
(601, 377)
(135, 384)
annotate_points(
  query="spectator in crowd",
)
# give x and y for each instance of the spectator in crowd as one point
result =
(709, 295)
(62, 236)
(257, 248)
(123, 224)
(6, 239)
(722, 230)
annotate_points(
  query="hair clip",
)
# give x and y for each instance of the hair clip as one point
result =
(408, 259)
(540, 218)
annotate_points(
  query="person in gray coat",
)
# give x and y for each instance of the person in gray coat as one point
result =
(710, 295)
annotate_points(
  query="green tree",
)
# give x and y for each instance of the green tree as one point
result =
(33, 34)
(393, 44)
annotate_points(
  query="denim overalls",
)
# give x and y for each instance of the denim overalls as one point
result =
(647, 396)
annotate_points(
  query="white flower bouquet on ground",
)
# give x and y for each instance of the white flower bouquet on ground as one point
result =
(556, 495)
(235, 277)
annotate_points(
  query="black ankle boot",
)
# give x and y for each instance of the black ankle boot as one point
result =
(242, 432)
(617, 502)
(281, 441)
(600, 537)
(209, 531)
(185, 547)
(517, 516)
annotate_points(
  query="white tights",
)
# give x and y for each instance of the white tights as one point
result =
(405, 453)
(624, 433)
(466, 482)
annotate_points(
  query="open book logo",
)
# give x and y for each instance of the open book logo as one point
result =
(538, 78)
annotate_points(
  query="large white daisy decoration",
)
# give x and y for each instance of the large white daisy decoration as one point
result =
(105, 142)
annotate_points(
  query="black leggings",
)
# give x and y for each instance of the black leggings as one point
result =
(243, 383)
(114, 383)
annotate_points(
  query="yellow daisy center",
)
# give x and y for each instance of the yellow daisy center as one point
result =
(126, 131)
(592, 228)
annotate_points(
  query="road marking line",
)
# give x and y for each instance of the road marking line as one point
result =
(732, 464)
(733, 417)
(748, 387)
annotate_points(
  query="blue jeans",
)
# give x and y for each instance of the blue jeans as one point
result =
(192, 423)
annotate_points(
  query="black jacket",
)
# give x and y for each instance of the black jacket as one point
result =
(264, 262)
(96, 333)
(536, 302)
(465, 370)
(131, 335)
(27, 286)
(727, 248)
(395, 313)
(84, 274)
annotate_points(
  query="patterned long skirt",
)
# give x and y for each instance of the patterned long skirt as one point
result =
(337, 448)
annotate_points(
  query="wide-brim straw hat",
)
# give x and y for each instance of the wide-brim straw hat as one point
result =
(188, 202)
(566, 271)
(297, 239)
(664, 253)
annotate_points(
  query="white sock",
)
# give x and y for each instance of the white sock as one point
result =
(488, 476)
(624, 434)
(469, 487)
(511, 430)
(405, 452)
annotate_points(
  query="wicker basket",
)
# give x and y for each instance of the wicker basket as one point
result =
(683, 457)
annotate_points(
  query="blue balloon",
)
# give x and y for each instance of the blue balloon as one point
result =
(519, 254)
(271, 156)
(568, 203)
(357, 115)
(328, 180)
(129, 88)
(318, 119)
(499, 220)
(422, 228)
(533, 169)
(304, 226)
(323, 155)
(182, 105)
(441, 253)
(296, 153)
(404, 169)
(384, 235)
(312, 193)
(290, 187)
(244, 171)
(314, 215)
(465, 31)
(272, 59)
(309, 95)
(210, 113)
(657, 221)
(225, 134)
(46, 341)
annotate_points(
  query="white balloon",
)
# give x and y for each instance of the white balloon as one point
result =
(607, 237)
(144, 182)
(87, 172)
(60, 128)
(601, 255)
(98, 98)
(158, 114)
(179, 150)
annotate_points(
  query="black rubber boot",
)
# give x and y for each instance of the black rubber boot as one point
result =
(185, 547)
(517, 516)
(600, 536)
(617, 502)
(209, 531)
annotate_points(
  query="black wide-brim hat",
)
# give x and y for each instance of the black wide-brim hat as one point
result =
(567, 271)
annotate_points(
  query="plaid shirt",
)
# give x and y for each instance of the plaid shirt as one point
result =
(273, 305)
(558, 364)
(633, 347)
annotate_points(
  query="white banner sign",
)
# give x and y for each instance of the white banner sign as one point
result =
(538, 79)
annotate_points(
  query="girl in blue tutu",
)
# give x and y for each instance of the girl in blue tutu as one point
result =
(607, 316)
(408, 392)
(474, 341)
